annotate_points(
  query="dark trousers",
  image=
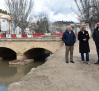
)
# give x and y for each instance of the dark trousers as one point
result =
(87, 56)
(97, 47)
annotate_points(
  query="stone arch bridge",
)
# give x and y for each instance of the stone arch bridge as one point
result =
(22, 45)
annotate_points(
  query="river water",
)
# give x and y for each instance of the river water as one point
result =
(11, 73)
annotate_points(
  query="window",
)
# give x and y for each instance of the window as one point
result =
(3, 20)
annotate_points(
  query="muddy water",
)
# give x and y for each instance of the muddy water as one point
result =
(10, 74)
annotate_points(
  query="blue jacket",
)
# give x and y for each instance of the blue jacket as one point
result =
(96, 36)
(69, 39)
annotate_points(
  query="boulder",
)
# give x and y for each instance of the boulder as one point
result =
(1, 58)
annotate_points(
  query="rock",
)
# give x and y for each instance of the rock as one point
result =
(1, 58)
(33, 69)
(21, 62)
(15, 84)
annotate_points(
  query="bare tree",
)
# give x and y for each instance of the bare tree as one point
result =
(88, 11)
(42, 23)
(20, 11)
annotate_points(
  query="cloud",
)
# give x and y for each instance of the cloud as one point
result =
(59, 17)
(57, 10)
(2, 5)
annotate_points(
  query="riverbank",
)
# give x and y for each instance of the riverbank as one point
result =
(56, 75)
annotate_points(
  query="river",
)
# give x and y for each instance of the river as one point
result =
(11, 73)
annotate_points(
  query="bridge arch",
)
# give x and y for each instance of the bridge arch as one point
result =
(7, 53)
(37, 53)
(51, 49)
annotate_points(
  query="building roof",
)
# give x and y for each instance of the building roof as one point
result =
(4, 16)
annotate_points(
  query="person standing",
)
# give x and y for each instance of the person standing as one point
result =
(83, 37)
(69, 39)
(96, 39)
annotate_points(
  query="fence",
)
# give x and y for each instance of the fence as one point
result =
(36, 35)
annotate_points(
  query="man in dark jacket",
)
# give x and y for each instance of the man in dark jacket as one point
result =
(96, 39)
(69, 40)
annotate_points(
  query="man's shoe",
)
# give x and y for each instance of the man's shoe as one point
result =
(67, 62)
(72, 61)
(96, 63)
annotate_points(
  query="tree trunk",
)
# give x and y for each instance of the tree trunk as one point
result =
(92, 27)
(22, 30)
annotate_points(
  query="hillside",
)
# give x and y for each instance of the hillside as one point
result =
(63, 22)
(59, 26)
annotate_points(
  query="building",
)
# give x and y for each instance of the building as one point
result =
(6, 26)
(77, 26)
(5, 23)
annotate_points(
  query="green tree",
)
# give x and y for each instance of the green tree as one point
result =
(3, 11)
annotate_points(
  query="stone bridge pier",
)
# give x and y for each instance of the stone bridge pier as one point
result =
(21, 57)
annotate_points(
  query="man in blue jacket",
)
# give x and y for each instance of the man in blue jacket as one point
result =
(96, 39)
(69, 39)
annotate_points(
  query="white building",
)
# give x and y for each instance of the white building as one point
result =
(5, 25)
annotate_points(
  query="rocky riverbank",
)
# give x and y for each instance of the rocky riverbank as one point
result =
(56, 75)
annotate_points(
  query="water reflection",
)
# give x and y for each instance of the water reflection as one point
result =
(3, 87)
(11, 73)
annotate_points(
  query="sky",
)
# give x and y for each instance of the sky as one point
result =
(57, 10)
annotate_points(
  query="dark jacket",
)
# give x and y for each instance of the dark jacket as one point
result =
(69, 38)
(83, 45)
(96, 36)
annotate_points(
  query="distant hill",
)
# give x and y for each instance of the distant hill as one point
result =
(63, 22)
(59, 26)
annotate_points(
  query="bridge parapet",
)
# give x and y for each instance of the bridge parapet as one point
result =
(50, 37)
(42, 38)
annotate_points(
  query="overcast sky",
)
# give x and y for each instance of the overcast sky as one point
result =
(57, 10)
